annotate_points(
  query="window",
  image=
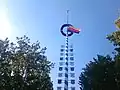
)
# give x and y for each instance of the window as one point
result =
(72, 68)
(71, 54)
(71, 46)
(71, 50)
(72, 63)
(59, 88)
(60, 68)
(72, 74)
(60, 74)
(61, 50)
(72, 88)
(61, 58)
(71, 58)
(62, 46)
(61, 54)
(61, 63)
(72, 81)
(59, 81)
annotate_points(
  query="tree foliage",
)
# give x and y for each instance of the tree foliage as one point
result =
(23, 66)
(115, 39)
(98, 74)
(103, 73)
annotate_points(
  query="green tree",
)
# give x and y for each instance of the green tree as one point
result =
(115, 39)
(23, 66)
(103, 73)
(98, 75)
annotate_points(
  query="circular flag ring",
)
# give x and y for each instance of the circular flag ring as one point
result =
(63, 26)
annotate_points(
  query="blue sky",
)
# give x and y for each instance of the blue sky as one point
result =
(41, 20)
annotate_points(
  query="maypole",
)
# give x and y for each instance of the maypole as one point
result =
(66, 57)
(66, 75)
